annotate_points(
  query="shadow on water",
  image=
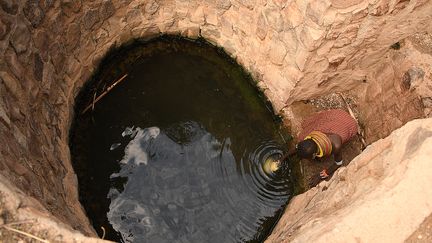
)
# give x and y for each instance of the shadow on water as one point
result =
(174, 152)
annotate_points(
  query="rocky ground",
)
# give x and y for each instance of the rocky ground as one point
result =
(381, 196)
(423, 42)
(423, 233)
(18, 230)
(415, 48)
(14, 230)
(49, 48)
(411, 105)
(23, 219)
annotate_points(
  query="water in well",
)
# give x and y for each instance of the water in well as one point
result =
(173, 153)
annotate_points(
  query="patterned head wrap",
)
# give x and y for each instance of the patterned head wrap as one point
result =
(323, 142)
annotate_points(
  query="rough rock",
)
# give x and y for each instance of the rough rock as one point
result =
(345, 3)
(277, 52)
(296, 50)
(90, 18)
(71, 6)
(12, 210)
(72, 37)
(261, 30)
(381, 196)
(20, 38)
(396, 89)
(293, 15)
(107, 9)
(38, 67)
(5, 26)
(151, 7)
(9, 6)
(274, 19)
(316, 10)
(33, 12)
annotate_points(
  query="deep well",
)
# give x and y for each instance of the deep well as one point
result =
(295, 50)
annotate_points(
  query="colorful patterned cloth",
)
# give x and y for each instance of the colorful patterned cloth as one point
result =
(322, 141)
(330, 121)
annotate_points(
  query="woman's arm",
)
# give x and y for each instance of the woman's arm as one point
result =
(338, 157)
(290, 153)
(336, 141)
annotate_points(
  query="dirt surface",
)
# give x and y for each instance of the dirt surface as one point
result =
(14, 230)
(423, 233)
(422, 42)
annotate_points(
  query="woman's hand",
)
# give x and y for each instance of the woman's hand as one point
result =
(323, 174)
(318, 178)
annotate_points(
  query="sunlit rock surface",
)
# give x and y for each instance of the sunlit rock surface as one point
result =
(294, 49)
(381, 196)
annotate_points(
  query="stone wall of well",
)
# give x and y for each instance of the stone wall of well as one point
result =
(294, 50)
(400, 92)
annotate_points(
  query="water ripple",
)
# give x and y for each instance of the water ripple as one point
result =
(193, 184)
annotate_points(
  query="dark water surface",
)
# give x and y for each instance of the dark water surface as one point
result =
(174, 152)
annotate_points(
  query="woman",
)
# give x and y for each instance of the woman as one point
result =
(322, 135)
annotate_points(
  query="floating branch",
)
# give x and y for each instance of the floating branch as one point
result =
(103, 94)
(103, 232)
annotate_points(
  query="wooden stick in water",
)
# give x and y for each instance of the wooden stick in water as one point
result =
(103, 94)
(103, 232)
(93, 102)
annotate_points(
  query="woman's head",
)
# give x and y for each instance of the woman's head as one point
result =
(307, 149)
